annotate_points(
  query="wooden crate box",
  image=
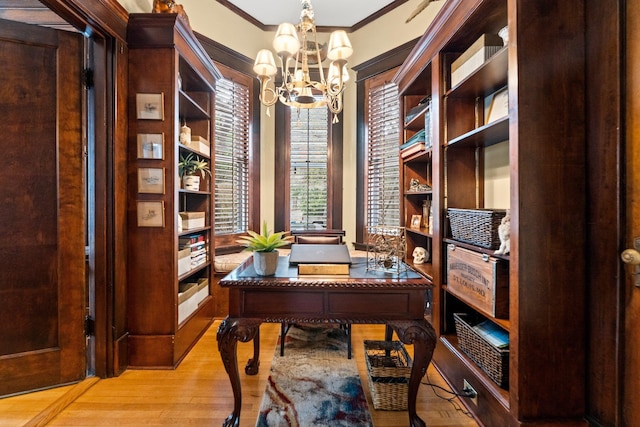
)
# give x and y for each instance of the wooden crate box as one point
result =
(479, 280)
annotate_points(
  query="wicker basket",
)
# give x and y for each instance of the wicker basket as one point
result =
(492, 360)
(389, 367)
(476, 226)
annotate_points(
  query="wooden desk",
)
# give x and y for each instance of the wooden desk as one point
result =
(362, 297)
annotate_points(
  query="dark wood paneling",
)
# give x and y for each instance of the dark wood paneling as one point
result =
(631, 177)
(30, 204)
(105, 17)
(547, 138)
(42, 278)
(604, 119)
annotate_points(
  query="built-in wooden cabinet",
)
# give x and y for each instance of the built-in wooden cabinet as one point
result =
(539, 139)
(416, 180)
(170, 228)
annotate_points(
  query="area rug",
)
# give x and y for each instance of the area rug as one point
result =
(314, 384)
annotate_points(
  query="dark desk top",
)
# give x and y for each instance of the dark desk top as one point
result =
(287, 276)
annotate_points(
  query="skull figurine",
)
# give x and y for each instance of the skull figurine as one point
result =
(420, 255)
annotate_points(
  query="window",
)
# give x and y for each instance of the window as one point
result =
(308, 169)
(382, 112)
(232, 125)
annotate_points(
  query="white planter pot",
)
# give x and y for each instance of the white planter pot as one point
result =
(191, 182)
(265, 263)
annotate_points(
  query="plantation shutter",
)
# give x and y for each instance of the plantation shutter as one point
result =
(309, 135)
(231, 157)
(383, 165)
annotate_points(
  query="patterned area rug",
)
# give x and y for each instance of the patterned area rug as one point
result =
(314, 384)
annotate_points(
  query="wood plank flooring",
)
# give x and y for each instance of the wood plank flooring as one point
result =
(198, 393)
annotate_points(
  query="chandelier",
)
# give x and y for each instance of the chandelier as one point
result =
(299, 44)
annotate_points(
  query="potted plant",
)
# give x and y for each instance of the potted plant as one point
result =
(264, 247)
(190, 169)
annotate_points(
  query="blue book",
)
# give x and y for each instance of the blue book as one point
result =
(493, 333)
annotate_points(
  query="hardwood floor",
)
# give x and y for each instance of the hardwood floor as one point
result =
(198, 393)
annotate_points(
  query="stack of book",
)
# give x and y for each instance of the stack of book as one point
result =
(414, 145)
(198, 247)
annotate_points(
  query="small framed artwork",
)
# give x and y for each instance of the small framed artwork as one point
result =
(416, 221)
(151, 214)
(150, 106)
(151, 180)
(151, 146)
(498, 105)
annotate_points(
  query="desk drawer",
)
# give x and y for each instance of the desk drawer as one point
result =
(327, 303)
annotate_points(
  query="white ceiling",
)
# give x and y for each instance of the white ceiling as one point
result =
(328, 13)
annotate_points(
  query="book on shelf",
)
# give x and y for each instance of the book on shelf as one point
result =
(424, 103)
(415, 139)
(198, 260)
(191, 240)
(413, 149)
(195, 253)
(196, 246)
(493, 334)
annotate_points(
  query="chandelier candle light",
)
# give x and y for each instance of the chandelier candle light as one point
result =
(300, 43)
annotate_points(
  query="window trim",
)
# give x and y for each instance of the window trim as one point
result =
(282, 161)
(228, 241)
(374, 82)
(364, 71)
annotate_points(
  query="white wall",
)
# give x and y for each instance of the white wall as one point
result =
(497, 181)
(218, 23)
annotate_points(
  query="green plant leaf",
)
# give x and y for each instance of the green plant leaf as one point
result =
(266, 241)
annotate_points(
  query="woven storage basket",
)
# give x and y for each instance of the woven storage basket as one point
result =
(492, 360)
(389, 367)
(476, 226)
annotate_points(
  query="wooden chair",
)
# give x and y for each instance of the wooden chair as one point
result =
(318, 237)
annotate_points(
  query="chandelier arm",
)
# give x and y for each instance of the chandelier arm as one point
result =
(335, 92)
(335, 104)
(265, 91)
(318, 57)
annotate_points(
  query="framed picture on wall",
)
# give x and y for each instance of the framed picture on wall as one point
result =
(150, 214)
(151, 146)
(151, 180)
(150, 106)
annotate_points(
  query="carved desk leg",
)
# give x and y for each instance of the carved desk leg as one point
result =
(254, 363)
(229, 333)
(421, 334)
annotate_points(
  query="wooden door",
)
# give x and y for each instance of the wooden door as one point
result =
(631, 315)
(42, 215)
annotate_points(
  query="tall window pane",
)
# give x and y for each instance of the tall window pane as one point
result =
(308, 168)
(383, 192)
(231, 157)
